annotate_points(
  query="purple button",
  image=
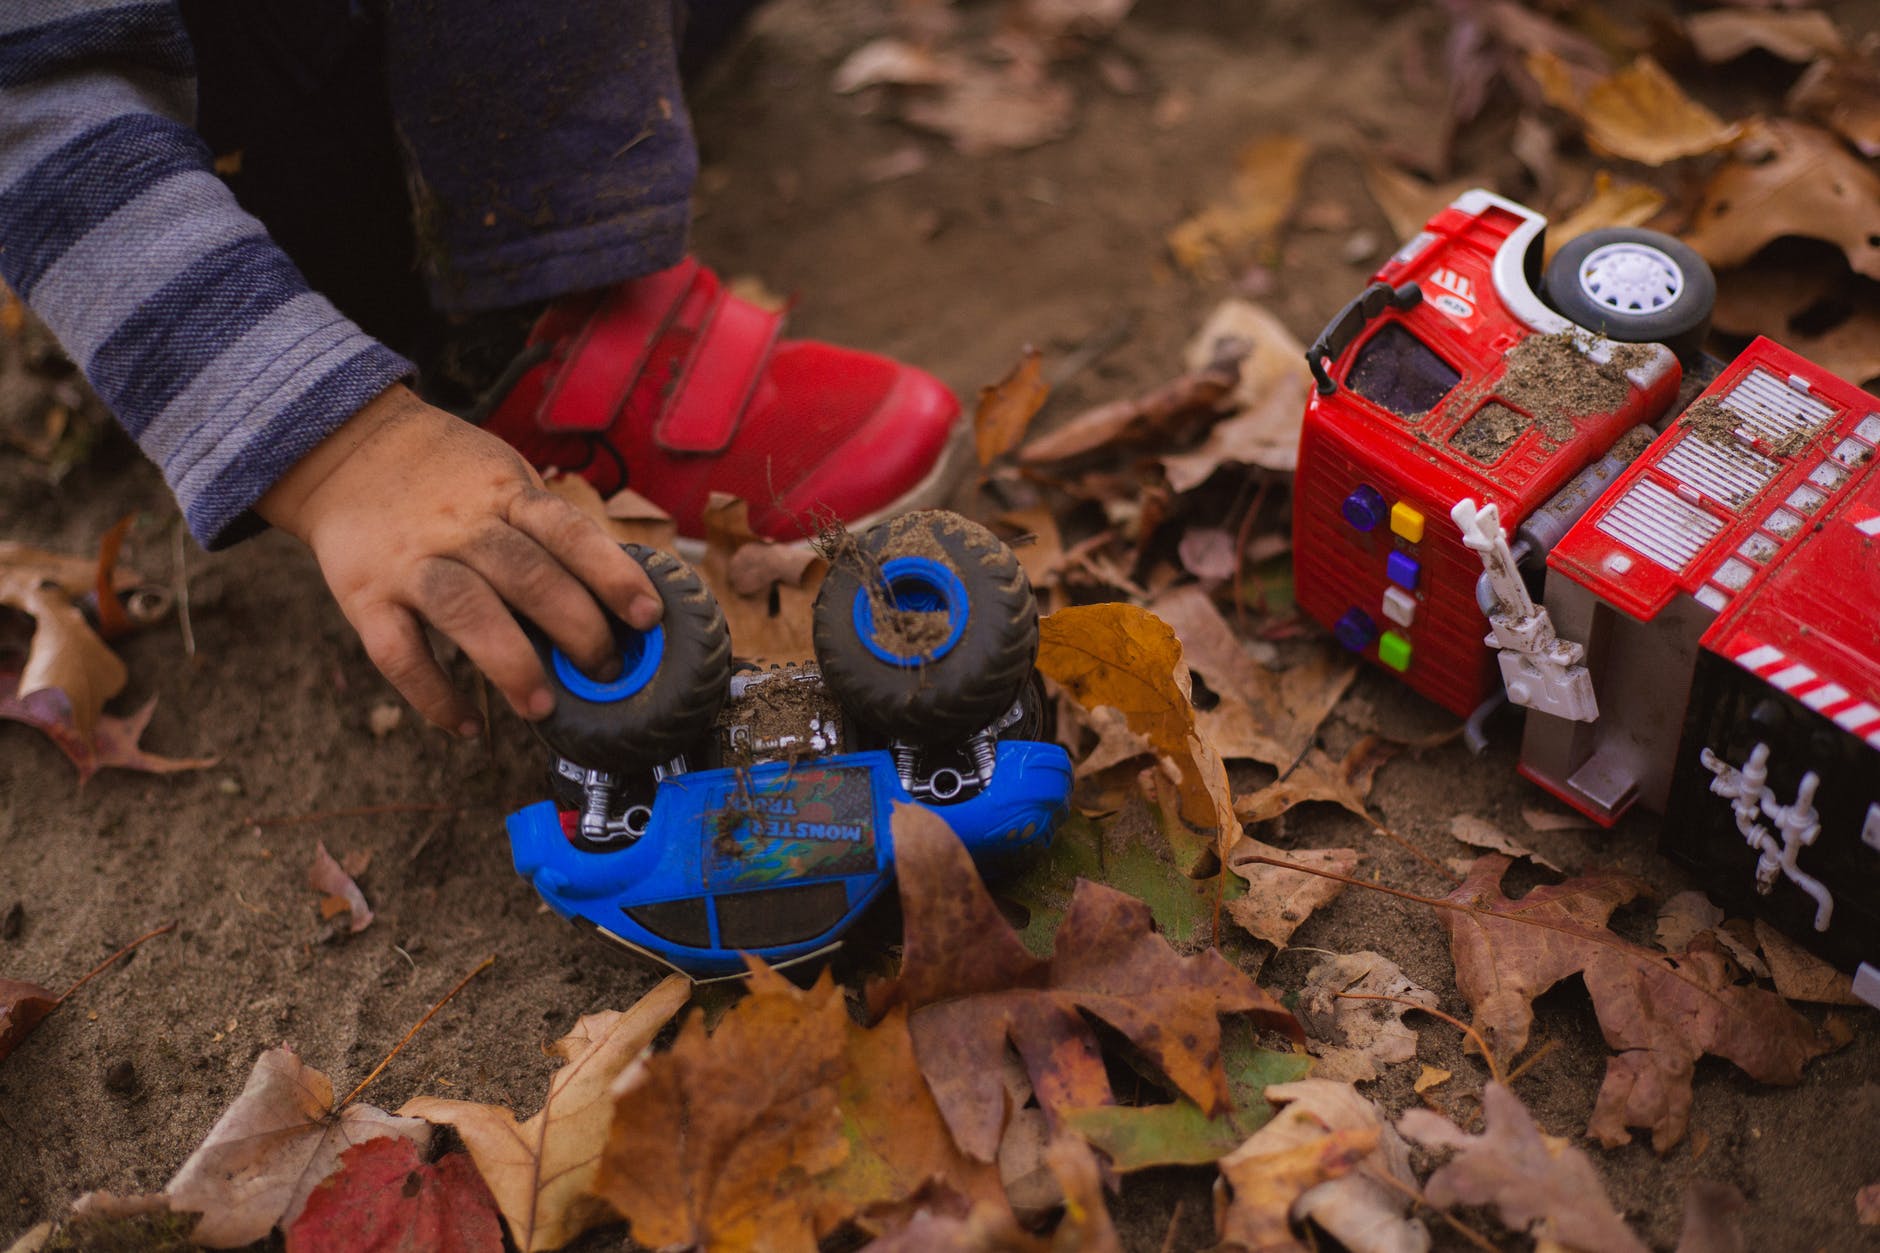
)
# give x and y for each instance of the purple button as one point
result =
(1364, 508)
(1355, 630)
(1403, 570)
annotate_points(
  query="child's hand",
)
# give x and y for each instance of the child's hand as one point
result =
(415, 514)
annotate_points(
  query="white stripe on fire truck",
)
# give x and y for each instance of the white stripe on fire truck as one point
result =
(1824, 696)
(1756, 658)
(1794, 675)
(1855, 719)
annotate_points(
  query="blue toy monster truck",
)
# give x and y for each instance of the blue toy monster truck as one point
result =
(701, 814)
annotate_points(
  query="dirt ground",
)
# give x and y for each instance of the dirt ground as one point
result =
(954, 267)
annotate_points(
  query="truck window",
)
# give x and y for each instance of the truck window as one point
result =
(1396, 370)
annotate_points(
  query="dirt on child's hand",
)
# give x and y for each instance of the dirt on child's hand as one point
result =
(416, 516)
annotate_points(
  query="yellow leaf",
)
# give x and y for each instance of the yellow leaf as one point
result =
(542, 1171)
(1125, 657)
(1265, 184)
(1638, 113)
(1612, 204)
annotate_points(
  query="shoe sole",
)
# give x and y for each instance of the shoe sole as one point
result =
(935, 489)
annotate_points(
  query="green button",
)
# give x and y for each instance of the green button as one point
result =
(1393, 650)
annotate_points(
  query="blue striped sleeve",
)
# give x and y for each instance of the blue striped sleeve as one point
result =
(192, 325)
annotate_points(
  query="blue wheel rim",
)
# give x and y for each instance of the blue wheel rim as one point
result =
(920, 584)
(640, 654)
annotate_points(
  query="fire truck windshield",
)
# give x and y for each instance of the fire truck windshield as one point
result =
(1398, 371)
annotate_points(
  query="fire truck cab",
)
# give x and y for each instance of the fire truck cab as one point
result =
(1420, 404)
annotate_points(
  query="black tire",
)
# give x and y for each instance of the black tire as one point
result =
(667, 696)
(927, 691)
(1634, 286)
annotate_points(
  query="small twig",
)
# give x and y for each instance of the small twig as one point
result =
(362, 811)
(1241, 540)
(407, 956)
(1494, 1068)
(1533, 1057)
(1168, 1241)
(1467, 1232)
(179, 583)
(105, 965)
(400, 1046)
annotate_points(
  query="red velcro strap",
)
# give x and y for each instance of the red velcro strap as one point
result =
(611, 351)
(723, 370)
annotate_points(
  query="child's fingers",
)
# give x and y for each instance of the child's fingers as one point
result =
(396, 644)
(461, 603)
(540, 588)
(579, 543)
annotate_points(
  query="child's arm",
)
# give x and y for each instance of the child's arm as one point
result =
(417, 516)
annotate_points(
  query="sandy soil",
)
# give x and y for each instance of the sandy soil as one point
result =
(954, 267)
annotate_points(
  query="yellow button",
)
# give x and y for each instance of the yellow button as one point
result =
(1407, 522)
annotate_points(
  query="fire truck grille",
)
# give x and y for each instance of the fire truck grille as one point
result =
(1772, 410)
(1651, 520)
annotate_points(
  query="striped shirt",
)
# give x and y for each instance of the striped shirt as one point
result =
(190, 322)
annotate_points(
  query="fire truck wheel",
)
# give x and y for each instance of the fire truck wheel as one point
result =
(926, 628)
(671, 684)
(1634, 286)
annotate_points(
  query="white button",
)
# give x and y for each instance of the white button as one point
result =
(1399, 606)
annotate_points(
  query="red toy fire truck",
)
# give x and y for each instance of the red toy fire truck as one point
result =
(1709, 642)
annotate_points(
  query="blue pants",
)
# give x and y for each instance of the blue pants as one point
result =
(421, 158)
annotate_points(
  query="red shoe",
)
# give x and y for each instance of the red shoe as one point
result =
(687, 388)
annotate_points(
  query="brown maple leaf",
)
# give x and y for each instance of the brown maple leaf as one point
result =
(784, 1123)
(271, 1148)
(1660, 1012)
(112, 741)
(542, 1170)
(1535, 1182)
(972, 990)
(766, 605)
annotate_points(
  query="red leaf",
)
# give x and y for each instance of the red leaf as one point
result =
(384, 1197)
(22, 1005)
(113, 740)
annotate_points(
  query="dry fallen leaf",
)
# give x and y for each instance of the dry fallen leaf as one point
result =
(1639, 113)
(1263, 714)
(972, 990)
(783, 1124)
(1787, 178)
(113, 740)
(386, 1196)
(1407, 201)
(1125, 657)
(738, 566)
(1801, 976)
(1260, 199)
(1148, 417)
(897, 62)
(1535, 1182)
(1801, 35)
(1481, 833)
(1430, 1077)
(988, 109)
(22, 1006)
(1268, 401)
(542, 1171)
(1843, 94)
(1353, 1039)
(1661, 1013)
(271, 1148)
(1007, 407)
(1685, 917)
(988, 1228)
(1278, 901)
(338, 893)
(1317, 777)
(1321, 1158)
(1825, 312)
(1611, 203)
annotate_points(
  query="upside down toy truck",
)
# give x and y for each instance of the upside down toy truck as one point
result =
(702, 810)
(1525, 484)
